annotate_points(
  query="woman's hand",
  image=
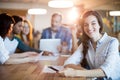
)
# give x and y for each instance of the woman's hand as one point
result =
(47, 53)
(33, 58)
(30, 54)
(68, 72)
(22, 55)
(21, 59)
(59, 48)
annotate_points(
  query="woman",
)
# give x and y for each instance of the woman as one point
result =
(26, 34)
(98, 52)
(6, 26)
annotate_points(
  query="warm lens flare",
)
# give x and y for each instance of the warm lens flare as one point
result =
(73, 14)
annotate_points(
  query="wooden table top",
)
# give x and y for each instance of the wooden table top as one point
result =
(32, 71)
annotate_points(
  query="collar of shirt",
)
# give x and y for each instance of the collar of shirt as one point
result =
(103, 38)
(58, 28)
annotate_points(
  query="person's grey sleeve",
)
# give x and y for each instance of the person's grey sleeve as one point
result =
(76, 57)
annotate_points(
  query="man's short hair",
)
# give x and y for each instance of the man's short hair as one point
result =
(57, 14)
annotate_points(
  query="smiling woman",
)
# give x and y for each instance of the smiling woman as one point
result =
(98, 53)
(27, 33)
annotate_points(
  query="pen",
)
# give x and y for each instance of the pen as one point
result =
(53, 68)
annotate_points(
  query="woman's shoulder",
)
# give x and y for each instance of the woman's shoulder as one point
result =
(108, 38)
(1, 39)
(111, 38)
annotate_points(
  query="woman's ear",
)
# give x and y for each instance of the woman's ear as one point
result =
(10, 30)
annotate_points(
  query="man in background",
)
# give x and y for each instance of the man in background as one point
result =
(57, 31)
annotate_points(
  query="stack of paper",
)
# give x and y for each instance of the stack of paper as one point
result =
(53, 58)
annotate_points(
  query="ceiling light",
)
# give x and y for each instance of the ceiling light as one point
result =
(60, 3)
(37, 11)
(114, 13)
(74, 12)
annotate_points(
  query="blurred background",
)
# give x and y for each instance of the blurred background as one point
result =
(70, 15)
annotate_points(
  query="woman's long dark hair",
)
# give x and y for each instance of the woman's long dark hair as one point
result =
(5, 24)
(85, 38)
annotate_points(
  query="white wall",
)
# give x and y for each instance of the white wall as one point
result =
(39, 21)
(43, 21)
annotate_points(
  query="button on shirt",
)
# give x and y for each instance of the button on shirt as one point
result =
(105, 57)
(4, 54)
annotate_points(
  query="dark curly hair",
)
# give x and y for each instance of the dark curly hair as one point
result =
(17, 19)
(5, 24)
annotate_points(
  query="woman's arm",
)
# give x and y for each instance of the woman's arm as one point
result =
(76, 57)
(23, 47)
(21, 60)
(22, 55)
(90, 73)
(74, 66)
(84, 73)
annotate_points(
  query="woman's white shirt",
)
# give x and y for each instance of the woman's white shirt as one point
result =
(10, 45)
(105, 57)
(4, 53)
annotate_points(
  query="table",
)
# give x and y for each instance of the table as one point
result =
(32, 71)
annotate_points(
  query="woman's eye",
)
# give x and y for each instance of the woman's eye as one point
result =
(85, 25)
(93, 23)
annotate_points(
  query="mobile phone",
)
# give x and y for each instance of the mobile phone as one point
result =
(53, 68)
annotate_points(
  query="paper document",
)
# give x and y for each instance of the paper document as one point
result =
(65, 55)
(46, 69)
(48, 58)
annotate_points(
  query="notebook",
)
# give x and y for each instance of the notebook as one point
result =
(49, 45)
